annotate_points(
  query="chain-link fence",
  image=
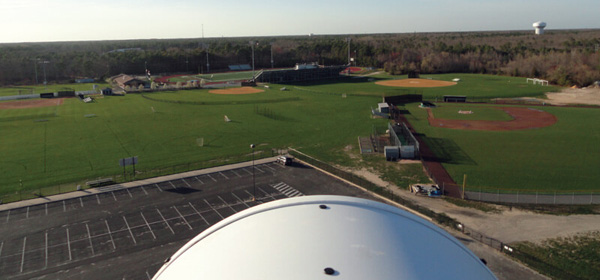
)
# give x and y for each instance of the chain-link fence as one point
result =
(573, 198)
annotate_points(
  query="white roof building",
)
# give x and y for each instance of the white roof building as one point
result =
(320, 237)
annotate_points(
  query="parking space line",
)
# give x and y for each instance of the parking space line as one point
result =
(211, 177)
(129, 193)
(23, 253)
(227, 204)
(46, 252)
(8, 215)
(98, 198)
(46, 206)
(167, 223)
(114, 196)
(148, 275)
(199, 180)
(224, 175)
(182, 217)
(64, 206)
(261, 171)
(214, 209)
(127, 224)
(147, 224)
(144, 190)
(183, 179)
(174, 187)
(27, 214)
(69, 245)
(158, 187)
(237, 174)
(90, 239)
(236, 197)
(263, 191)
(272, 169)
(207, 223)
(1, 245)
(110, 234)
(81, 202)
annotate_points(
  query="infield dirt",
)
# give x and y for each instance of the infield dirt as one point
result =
(23, 104)
(242, 90)
(417, 83)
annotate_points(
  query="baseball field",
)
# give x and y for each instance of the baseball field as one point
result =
(74, 142)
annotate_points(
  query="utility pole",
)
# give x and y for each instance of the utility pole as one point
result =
(44, 63)
(207, 63)
(272, 56)
(349, 39)
(252, 45)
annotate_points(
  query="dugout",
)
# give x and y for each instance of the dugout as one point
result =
(401, 137)
(403, 99)
(455, 98)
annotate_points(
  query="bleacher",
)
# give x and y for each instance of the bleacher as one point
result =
(240, 67)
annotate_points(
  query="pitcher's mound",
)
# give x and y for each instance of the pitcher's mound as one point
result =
(417, 83)
(241, 90)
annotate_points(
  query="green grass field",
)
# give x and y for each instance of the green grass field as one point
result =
(77, 142)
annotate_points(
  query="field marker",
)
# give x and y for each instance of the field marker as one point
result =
(182, 217)
(237, 174)
(23, 254)
(64, 206)
(147, 224)
(211, 177)
(186, 182)
(131, 196)
(98, 198)
(69, 245)
(228, 205)
(224, 175)
(199, 180)
(158, 187)
(113, 194)
(214, 210)
(163, 217)
(46, 251)
(236, 197)
(127, 224)
(144, 190)
(81, 202)
(110, 234)
(90, 239)
(207, 223)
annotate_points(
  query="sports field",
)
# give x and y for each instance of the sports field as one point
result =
(76, 142)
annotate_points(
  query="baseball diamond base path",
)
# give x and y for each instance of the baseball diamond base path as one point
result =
(417, 83)
(35, 103)
(523, 118)
(242, 90)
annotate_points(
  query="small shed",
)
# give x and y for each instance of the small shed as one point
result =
(106, 91)
(384, 108)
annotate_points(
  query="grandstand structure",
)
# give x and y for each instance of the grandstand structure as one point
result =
(300, 75)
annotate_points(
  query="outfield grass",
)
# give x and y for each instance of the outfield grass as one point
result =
(22, 90)
(562, 157)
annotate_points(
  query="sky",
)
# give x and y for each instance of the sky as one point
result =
(83, 20)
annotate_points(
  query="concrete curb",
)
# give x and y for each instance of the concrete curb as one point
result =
(155, 180)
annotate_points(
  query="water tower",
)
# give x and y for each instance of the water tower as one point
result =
(539, 27)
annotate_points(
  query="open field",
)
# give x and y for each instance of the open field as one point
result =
(77, 142)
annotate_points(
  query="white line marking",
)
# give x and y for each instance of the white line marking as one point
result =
(186, 183)
(199, 180)
(81, 202)
(237, 174)
(161, 215)
(227, 204)
(98, 198)
(110, 234)
(1, 245)
(148, 275)
(69, 245)
(23, 253)
(46, 206)
(158, 187)
(214, 210)
(64, 206)
(211, 177)
(207, 223)
(27, 214)
(174, 187)
(114, 196)
(147, 224)
(236, 197)
(129, 193)
(224, 175)
(127, 224)
(263, 191)
(247, 171)
(90, 239)
(7, 216)
(144, 190)
(261, 171)
(183, 218)
(273, 169)
(46, 251)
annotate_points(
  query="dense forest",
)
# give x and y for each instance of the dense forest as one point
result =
(564, 57)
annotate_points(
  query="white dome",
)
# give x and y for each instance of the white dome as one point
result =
(539, 24)
(317, 237)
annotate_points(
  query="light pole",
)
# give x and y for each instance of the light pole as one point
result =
(44, 63)
(349, 39)
(252, 43)
(272, 56)
(253, 178)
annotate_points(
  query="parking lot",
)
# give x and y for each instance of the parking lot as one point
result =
(126, 233)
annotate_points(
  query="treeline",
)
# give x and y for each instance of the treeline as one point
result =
(562, 57)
